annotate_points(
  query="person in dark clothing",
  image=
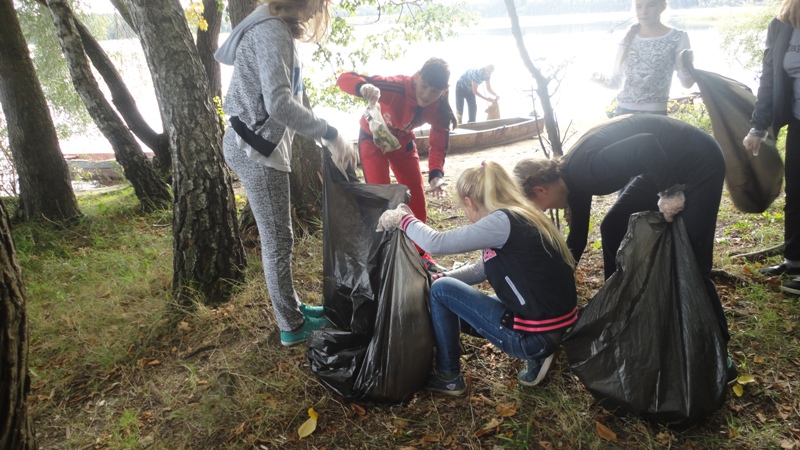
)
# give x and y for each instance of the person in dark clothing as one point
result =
(659, 163)
(524, 258)
(778, 105)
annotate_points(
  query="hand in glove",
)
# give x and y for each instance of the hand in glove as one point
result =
(752, 141)
(437, 187)
(670, 204)
(343, 153)
(390, 219)
(370, 93)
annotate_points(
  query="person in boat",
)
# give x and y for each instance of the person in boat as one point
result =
(658, 163)
(524, 258)
(406, 102)
(646, 59)
(467, 90)
(777, 106)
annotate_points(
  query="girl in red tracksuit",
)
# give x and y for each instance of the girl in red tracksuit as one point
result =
(406, 103)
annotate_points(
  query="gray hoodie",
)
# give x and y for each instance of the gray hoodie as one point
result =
(267, 82)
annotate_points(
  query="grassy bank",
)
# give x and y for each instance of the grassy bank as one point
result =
(114, 367)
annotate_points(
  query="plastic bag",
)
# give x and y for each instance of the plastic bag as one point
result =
(376, 291)
(648, 343)
(754, 182)
(383, 138)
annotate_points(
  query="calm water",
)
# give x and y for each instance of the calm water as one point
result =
(586, 43)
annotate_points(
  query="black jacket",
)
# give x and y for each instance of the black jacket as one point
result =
(775, 90)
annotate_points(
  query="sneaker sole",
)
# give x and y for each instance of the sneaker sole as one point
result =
(446, 392)
(293, 343)
(789, 290)
(542, 372)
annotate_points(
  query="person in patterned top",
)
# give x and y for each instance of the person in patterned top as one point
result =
(467, 89)
(647, 56)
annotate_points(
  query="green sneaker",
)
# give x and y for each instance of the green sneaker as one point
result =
(312, 311)
(300, 335)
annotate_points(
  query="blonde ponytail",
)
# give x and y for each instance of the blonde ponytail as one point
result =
(492, 186)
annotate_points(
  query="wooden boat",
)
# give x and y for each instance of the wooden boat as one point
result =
(489, 133)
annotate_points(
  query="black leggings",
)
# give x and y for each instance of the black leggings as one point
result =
(792, 187)
(705, 175)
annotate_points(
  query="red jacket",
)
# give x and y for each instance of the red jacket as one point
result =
(399, 107)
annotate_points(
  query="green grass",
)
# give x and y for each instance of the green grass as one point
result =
(113, 366)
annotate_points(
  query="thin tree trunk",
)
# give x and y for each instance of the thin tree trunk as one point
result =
(550, 124)
(150, 189)
(239, 9)
(207, 44)
(45, 188)
(125, 103)
(208, 253)
(16, 427)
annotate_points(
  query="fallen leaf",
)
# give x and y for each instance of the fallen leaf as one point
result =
(154, 362)
(184, 326)
(605, 433)
(494, 423)
(358, 409)
(738, 390)
(309, 425)
(787, 444)
(431, 438)
(105, 294)
(746, 379)
(507, 409)
(761, 417)
(546, 445)
(664, 438)
(758, 360)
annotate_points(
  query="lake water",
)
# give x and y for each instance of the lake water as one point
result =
(587, 41)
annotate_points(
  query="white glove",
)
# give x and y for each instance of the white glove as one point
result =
(370, 93)
(670, 205)
(753, 140)
(390, 219)
(437, 187)
(343, 153)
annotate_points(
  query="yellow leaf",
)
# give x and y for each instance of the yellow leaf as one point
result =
(605, 433)
(746, 379)
(758, 360)
(105, 294)
(738, 390)
(184, 326)
(309, 425)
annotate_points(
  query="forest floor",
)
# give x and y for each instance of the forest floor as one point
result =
(113, 366)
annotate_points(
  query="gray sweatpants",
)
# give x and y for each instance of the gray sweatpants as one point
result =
(267, 190)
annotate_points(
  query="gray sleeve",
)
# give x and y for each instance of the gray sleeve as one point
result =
(274, 54)
(469, 274)
(491, 231)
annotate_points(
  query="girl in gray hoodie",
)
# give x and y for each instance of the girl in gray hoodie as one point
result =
(264, 102)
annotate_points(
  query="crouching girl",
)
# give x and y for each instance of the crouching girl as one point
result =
(525, 260)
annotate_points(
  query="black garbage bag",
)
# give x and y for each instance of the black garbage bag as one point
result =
(376, 291)
(350, 246)
(648, 343)
(753, 181)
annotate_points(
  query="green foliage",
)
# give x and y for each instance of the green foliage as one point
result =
(349, 48)
(69, 113)
(743, 35)
(691, 110)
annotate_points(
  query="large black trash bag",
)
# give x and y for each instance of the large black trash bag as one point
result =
(376, 290)
(648, 343)
(753, 181)
(400, 354)
(350, 246)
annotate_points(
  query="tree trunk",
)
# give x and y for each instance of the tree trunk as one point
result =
(16, 428)
(124, 102)
(207, 44)
(305, 182)
(45, 189)
(550, 124)
(239, 9)
(150, 189)
(208, 252)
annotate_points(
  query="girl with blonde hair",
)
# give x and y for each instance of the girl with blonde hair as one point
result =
(265, 105)
(523, 257)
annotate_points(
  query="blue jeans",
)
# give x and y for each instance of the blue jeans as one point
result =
(452, 300)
